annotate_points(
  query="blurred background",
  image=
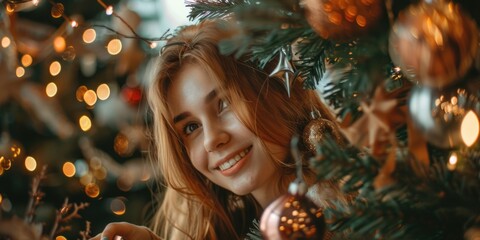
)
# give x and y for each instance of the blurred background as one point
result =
(72, 103)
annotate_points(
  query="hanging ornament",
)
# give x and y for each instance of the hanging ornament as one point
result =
(382, 115)
(132, 95)
(57, 10)
(284, 69)
(447, 118)
(434, 42)
(293, 216)
(318, 129)
(343, 19)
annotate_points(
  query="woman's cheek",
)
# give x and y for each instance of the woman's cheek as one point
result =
(197, 155)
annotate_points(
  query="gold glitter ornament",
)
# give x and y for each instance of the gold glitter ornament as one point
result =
(318, 129)
(434, 43)
(293, 215)
(343, 20)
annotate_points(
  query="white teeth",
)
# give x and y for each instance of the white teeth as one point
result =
(228, 164)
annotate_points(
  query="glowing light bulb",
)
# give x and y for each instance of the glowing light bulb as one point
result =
(109, 10)
(470, 128)
(452, 161)
(74, 23)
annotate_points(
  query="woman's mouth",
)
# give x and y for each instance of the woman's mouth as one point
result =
(230, 163)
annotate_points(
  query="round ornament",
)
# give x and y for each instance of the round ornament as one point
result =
(343, 20)
(319, 129)
(132, 95)
(57, 10)
(292, 216)
(446, 118)
(434, 43)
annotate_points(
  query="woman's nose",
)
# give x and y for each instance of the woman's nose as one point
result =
(215, 136)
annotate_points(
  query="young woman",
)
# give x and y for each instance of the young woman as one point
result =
(222, 129)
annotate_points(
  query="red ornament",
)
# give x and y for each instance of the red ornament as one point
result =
(132, 95)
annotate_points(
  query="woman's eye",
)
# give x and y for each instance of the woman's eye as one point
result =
(189, 128)
(222, 105)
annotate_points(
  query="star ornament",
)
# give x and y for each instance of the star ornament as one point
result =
(284, 69)
(376, 127)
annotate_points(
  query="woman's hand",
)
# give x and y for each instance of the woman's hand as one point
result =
(125, 231)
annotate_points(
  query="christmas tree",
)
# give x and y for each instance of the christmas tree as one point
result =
(403, 80)
(73, 115)
(400, 75)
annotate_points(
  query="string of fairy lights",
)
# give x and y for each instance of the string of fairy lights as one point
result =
(94, 170)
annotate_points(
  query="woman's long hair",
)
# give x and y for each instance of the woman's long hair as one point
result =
(192, 207)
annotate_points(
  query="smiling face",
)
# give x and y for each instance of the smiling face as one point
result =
(219, 145)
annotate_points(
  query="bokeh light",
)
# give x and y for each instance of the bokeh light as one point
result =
(86, 179)
(89, 35)
(92, 190)
(80, 93)
(68, 169)
(81, 168)
(6, 42)
(59, 44)
(30, 163)
(85, 123)
(103, 91)
(26, 60)
(470, 128)
(118, 206)
(60, 238)
(55, 68)
(114, 47)
(51, 89)
(90, 97)
(109, 10)
(20, 71)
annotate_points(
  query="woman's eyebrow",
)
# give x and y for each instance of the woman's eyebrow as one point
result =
(180, 117)
(210, 96)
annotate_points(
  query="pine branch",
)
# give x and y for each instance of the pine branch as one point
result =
(254, 233)
(205, 9)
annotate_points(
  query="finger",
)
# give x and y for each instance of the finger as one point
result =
(113, 231)
(97, 237)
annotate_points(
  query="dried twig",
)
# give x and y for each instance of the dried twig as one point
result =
(86, 234)
(64, 215)
(35, 196)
